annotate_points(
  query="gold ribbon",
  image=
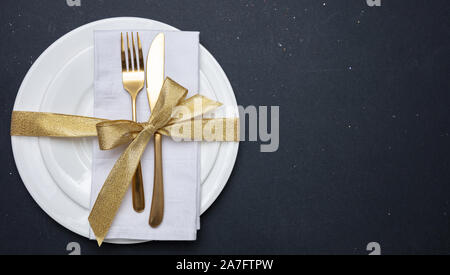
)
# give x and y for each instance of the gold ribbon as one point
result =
(186, 124)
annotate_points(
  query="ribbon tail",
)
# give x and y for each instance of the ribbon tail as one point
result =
(116, 186)
(34, 124)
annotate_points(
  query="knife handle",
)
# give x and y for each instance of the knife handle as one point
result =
(157, 211)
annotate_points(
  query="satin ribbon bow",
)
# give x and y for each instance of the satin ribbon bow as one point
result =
(112, 134)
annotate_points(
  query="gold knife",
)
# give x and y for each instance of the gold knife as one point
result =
(155, 81)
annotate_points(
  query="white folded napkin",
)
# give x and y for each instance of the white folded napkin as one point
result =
(181, 161)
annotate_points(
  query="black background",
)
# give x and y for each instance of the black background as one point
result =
(364, 102)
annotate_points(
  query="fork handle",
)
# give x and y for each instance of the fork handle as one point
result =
(138, 191)
(137, 181)
(157, 211)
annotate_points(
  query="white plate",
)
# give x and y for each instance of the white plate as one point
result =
(57, 172)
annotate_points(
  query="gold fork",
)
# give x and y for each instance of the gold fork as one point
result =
(133, 78)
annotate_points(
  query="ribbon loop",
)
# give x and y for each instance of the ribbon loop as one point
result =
(170, 96)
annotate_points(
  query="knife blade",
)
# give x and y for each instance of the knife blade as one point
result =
(155, 69)
(155, 81)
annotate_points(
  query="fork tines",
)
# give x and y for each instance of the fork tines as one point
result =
(132, 62)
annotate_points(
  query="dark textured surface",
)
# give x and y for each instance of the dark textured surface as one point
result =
(364, 98)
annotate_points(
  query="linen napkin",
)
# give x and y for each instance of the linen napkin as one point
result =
(181, 160)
